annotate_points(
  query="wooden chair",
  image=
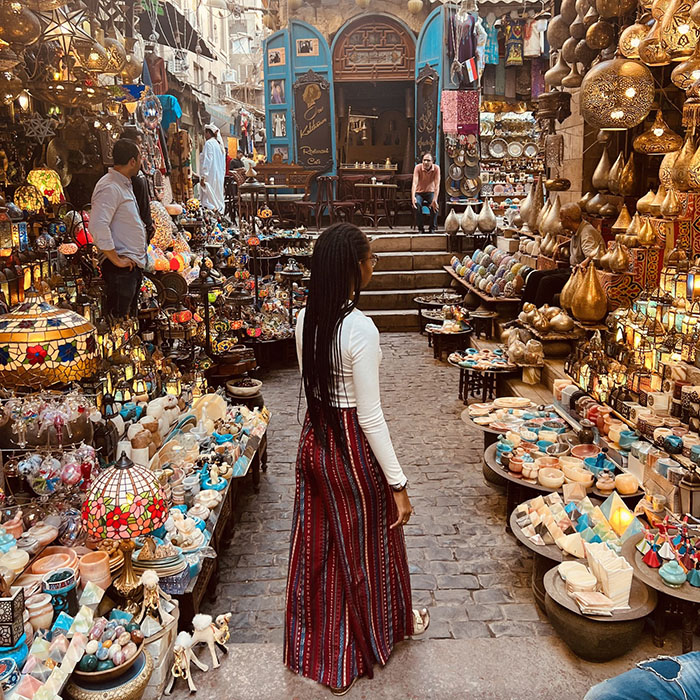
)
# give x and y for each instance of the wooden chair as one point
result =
(402, 200)
(314, 204)
(343, 208)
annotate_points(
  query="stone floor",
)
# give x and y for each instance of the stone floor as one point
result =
(464, 567)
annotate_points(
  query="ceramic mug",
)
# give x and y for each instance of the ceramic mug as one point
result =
(40, 611)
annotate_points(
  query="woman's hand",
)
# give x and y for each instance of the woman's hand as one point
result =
(403, 504)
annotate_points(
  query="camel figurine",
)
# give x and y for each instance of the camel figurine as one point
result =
(152, 595)
(211, 634)
(183, 656)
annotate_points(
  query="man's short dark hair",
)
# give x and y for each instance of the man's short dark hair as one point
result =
(428, 153)
(239, 152)
(124, 151)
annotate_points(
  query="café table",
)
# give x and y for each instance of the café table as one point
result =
(381, 194)
(272, 191)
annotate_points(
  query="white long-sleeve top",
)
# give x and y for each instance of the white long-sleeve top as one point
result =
(213, 171)
(358, 386)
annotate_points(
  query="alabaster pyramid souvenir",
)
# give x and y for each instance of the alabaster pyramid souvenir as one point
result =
(572, 510)
(82, 622)
(150, 626)
(92, 595)
(589, 536)
(543, 532)
(523, 521)
(537, 502)
(585, 505)
(567, 527)
(634, 528)
(26, 688)
(552, 498)
(58, 648)
(45, 693)
(40, 648)
(537, 540)
(535, 518)
(574, 491)
(582, 523)
(63, 622)
(522, 509)
(651, 559)
(56, 680)
(529, 531)
(572, 544)
(37, 668)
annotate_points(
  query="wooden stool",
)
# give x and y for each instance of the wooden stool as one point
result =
(483, 322)
(447, 342)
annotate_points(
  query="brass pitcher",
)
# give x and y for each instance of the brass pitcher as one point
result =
(589, 303)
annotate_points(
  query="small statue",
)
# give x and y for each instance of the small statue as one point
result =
(211, 634)
(183, 656)
(152, 595)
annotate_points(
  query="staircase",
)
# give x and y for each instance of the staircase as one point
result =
(409, 265)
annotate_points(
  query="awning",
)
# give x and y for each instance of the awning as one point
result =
(173, 30)
(221, 118)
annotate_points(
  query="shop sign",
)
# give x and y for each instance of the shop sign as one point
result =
(427, 92)
(312, 120)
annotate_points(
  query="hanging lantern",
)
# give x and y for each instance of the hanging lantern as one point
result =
(687, 72)
(92, 56)
(48, 182)
(41, 345)
(10, 88)
(679, 34)
(28, 198)
(651, 50)
(18, 25)
(116, 56)
(617, 94)
(659, 139)
(630, 39)
(415, 6)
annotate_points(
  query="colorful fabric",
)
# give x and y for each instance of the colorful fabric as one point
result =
(348, 587)
(481, 37)
(491, 51)
(538, 69)
(448, 109)
(532, 45)
(514, 42)
(468, 112)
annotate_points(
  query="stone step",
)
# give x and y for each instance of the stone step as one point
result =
(397, 299)
(394, 261)
(394, 320)
(398, 242)
(409, 280)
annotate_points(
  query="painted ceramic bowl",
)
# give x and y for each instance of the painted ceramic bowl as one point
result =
(583, 451)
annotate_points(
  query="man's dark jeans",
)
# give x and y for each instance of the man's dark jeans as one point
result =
(122, 287)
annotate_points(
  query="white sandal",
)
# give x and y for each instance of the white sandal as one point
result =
(421, 621)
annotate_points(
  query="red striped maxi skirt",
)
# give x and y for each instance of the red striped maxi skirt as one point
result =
(348, 587)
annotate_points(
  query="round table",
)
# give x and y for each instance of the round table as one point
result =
(448, 342)
(490, 437)
(472, 381)
(597, 638)
(425, 304)
(686, 597)
(380, 193)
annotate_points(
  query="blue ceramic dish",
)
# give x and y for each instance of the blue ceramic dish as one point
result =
(591, 465)
(9, 673)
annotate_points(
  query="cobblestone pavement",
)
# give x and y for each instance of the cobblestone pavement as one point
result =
(464, 567)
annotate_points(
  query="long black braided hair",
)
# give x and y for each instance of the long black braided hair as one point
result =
(335, 276)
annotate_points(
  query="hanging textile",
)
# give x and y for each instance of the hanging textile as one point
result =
(489, 80)
(468, 112)
(537, 69)
(501, 79)
(511, 74)
(523, 81)
(171, 110)
(481, 37)
(514, 41)
(461, 48)
(532, 44)
(491, 52)
(448, 108)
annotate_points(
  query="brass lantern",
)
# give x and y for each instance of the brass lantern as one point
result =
(617, 94)
(687, 72)
(679, 34)
(651, 48)
(630, 38)
(659, 139)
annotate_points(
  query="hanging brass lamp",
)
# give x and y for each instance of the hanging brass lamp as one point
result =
(679, 34)
(687, 72)
(666, 168)
(658, 139)
(651, 50)
(630, 38)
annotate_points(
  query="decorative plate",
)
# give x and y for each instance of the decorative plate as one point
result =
(499, 189)
(487, 128)
(455, 171)
(452, 151)
(453, 189)
(515, 149)
(530, 149)
(498, 148)
(512, 402)
(174, 287)
(470, 186)
(459, 158)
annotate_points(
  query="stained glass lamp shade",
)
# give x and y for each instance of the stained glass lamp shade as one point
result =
(48, 182)
(41, 345)
(124, 502)
(29, 198)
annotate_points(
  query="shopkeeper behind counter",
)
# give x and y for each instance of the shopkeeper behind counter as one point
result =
(543, 285)
(118, 231)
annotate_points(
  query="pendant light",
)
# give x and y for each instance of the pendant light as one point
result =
(557, 72)
(679, 34)
(666, 168)
(679, 172)
(651, 49)
(630, 39)
(687, 72)
(659, 139)
(574, 79)
(600, 174)
(614, 174)
(623, 221)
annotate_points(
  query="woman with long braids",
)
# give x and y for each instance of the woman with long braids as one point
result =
(348, 587)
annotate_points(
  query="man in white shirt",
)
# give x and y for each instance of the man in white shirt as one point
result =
(213, 170)
(118, 231)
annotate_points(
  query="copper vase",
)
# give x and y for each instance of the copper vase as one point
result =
(569, 289)
(589, 303)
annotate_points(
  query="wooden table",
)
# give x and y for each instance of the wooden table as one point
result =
(597, 638)
(220, 525)
(379, 194)
(447, 342)
(686, 598)
(274, 189)
(472, 381)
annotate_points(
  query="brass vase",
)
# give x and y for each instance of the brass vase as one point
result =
(694, 171)
(671, 205)
(679, 172)
(596, 203)
(589, 303)
(584, 200)
(666, 168)
(644, 203)
(605, 259)
(658, 201)
(620, 259)
(570, 287)
(646, 236)
(525, 207)
(628, 178)
(635, 227)
(543, 215)
(600, 174)
(552, 222)
(614, 175)
(537, 204)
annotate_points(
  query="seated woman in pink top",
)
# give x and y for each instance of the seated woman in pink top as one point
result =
(424, 192)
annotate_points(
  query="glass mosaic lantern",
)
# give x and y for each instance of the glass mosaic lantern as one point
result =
(124, 502)
(29, 198)
(41, 345)
(48, 182)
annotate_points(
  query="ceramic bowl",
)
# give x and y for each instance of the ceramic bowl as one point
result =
(583, 451)
(591, 465)
(559, 449)
(547, 462)
(551, 478)
(570, 462)
(58, 549)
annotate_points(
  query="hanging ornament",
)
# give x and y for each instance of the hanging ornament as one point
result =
(666, 168)
(651, 49)
(573, 79)
(658, 139)
(600, 174)
(600, 35)
(679, 34)
(614, 174)
(415, 6)
(630, 39)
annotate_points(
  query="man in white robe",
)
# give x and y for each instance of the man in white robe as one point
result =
(213, 170)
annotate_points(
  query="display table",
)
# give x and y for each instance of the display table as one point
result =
(597, 637)
(685, 599)
(447, 342)
(220, 525)
(381, 196)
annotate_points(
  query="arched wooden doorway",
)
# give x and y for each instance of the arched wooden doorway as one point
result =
(374, 75)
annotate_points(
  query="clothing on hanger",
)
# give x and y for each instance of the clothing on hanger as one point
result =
(461, 48)
(514, 41)
(532, 44)
(481, 38)
(491, 51)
